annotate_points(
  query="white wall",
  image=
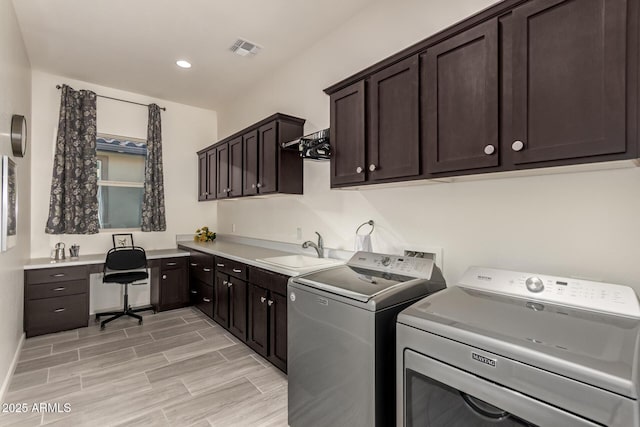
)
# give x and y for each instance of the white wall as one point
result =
(185, 130)
(15, 98)
(583, 224)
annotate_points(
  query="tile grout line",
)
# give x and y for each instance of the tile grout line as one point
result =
(253, 384)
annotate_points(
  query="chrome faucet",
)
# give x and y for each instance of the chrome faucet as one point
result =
(319, 247)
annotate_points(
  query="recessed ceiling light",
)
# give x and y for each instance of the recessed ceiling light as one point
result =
(183, 64)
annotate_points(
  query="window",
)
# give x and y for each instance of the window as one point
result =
(120, 181)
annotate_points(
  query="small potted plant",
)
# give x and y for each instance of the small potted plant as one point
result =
(204, 235)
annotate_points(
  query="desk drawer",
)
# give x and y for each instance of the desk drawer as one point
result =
(56, 314)
(56, 274)
(232, 268)
(174, 263)
(58, 289)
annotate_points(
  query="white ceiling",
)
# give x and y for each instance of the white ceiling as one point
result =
(133, 44)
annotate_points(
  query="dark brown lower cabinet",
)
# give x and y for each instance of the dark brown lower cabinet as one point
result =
(202, 298)
(221, 299)
(56, 299)
(173, 285)
(267, 328)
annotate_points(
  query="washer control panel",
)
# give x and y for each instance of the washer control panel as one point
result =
(420, 268)
(595, 296)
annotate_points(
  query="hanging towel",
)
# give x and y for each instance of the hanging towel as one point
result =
(363, 243)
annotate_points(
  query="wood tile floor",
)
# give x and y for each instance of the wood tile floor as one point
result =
(177, 369)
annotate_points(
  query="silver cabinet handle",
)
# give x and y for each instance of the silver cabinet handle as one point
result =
(58, 275)
(220, 265)
(372, 167)
(58, 310)
(253, 186)
(61, 288)
(193, 264)
(489, 150)
(194, 291)
(517, 146)
(259, 185)
(262, 299)
(235, 270)
(224, 282)
(164, 276)
(172, 264)
(229, 284)
(206, 270)
(270, 303)
(358, 169)
(206, 300)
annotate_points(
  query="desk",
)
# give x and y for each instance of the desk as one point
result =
(57, 293)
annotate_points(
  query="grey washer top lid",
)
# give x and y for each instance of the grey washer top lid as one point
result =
(371, 289)
(597, 349)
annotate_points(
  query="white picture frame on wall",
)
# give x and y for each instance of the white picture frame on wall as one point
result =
(9, 208)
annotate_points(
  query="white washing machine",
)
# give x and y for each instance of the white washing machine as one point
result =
(518, 349)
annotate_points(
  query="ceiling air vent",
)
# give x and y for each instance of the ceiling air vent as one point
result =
(244, 48)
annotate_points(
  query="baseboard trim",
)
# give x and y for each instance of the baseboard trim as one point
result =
(12, 368)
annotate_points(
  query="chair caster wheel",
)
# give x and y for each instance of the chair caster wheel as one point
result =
(102, 328)
(139, 322)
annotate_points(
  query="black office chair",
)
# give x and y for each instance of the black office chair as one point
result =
(125, 266)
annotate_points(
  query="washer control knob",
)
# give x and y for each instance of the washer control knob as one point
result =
(534, 284)
(385, 261)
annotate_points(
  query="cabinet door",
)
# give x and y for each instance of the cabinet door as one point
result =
(250, 163)
(211, 174)
(460, 98)
(257, 330)
(347, 133)
(235, 167)
(174, 291)
(278, 330)
(393, 143)
(569, 84)
(238, 308)
(268, 158)
(222, 171)
(221, 299)
(202, 176)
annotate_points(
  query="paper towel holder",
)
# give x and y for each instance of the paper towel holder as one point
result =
(370, 222)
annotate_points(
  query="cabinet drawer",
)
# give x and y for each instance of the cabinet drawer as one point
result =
(232, 268)
(174, 263)
(56, 314)
(56, 274)
(204, 298)
(58, 289)
(269, 280)
(201, 267)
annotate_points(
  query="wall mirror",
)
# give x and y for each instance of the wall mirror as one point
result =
(9, 204)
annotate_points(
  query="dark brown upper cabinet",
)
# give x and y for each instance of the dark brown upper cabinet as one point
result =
(252, 161)
(203, 178)
(235, 168)
(569, 85)
(250, 167)
(347, 135)
(222, 171)
(207, 175)
(520, 85)
(393, 146)
(460, 101)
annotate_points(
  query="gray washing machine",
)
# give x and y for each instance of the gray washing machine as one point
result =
(341, 338)
(517, 349)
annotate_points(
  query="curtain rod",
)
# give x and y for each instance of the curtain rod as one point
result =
(118, 99)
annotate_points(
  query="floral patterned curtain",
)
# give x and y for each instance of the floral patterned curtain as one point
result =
(73, 206)
(153, 217)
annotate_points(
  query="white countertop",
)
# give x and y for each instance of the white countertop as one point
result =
(247, 254)
(37, 263)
